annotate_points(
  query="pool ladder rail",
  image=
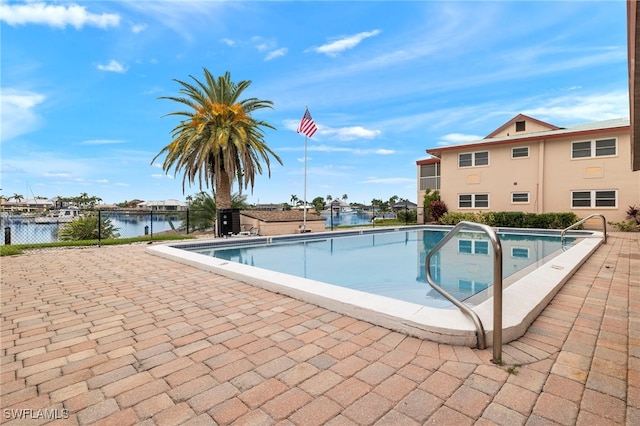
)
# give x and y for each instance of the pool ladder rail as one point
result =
(497, 280)
(497, 287)
(580, 222)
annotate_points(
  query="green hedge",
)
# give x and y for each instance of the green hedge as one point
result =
(513, 219)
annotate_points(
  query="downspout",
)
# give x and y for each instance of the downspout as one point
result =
(540, 186)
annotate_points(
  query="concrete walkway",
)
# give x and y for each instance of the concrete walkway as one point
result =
(116, 336)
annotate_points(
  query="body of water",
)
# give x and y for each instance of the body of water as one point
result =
(24, 230)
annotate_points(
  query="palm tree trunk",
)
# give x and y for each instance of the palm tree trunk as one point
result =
(223, 191)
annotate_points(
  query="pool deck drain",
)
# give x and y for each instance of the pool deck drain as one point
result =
(114, 335)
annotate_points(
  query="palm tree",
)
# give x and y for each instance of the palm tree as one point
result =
(218, 141)
(17, 197)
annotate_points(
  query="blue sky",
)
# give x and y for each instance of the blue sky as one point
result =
(384, 81)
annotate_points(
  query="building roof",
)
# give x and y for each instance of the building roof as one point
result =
(281, 216)
(169, 202)
(426, 161)
(582, 129)
(521, 117)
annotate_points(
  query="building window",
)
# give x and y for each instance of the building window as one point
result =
(519, 197)
(520, 152)
(473, 201)
(594, 198)
(596, 148)
(471, 159)
(472, 286)
(430, 176)
(520, 126)
(473, 247)
(520, 252)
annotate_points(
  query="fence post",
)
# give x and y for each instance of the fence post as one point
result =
(187, 221)
(99, 229)
(151, 214)
(7, 235)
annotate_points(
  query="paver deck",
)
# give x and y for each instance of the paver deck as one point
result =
(116, 336)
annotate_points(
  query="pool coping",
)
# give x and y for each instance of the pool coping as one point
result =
(448, 326)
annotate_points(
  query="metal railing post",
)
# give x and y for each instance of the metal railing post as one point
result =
(497, 287)
(580, 222)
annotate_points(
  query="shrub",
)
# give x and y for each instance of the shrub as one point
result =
(86, 228)
(633, 213)
(437, 209)
(452, 218)
(632, 224)
(407, 216)
(513, 219)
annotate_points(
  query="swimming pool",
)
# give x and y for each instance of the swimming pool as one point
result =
(384, 269)
(392, 263)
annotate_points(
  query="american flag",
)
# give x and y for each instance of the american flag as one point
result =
(307, 126)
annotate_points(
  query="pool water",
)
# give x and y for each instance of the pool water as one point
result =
(392, 263)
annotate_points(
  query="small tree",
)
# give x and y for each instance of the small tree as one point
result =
(86, 228)
(433, 195)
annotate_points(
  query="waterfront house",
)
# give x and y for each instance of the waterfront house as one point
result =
(164, 205)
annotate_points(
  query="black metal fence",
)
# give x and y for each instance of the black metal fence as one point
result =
(47, 227)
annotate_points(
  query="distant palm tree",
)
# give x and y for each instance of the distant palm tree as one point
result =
(17, 197)
(218, 141)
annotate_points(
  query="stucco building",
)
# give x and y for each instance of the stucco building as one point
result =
(531, 166)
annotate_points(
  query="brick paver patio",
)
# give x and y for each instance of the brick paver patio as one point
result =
(116, 336)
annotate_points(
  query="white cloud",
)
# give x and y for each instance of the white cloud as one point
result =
(58, 16)
(228, 42)
(18, 116)
(576, 108)
(138, 28)
(113, 66)
(345, 43)
(102, 141)
(350, 133)
(392, 180)
(57, 174)
(161, 176)
(457, 138)
(276, 53)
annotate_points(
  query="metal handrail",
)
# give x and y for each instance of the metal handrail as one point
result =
(497, 287)
(580, 222)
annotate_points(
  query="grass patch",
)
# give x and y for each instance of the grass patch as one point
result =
(16, 249)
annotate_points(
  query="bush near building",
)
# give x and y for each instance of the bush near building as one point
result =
(513, 219)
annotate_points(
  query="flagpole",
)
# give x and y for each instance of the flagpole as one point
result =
(304, 217)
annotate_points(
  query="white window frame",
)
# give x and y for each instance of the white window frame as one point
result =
(593, 198)
(513, 157)
(481, 249)
(522, 250)
(521, 202)
(430, 182)
(474, 204)
(593, 148)
(473, 159)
